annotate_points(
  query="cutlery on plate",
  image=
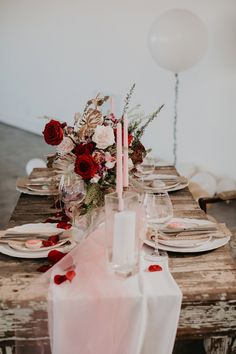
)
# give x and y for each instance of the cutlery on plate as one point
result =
(192, 229)
(60, 242)
(18, 236)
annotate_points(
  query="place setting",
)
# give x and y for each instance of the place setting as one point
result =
(145, 178)
(35, 240)
(37, 186)
(183, 235)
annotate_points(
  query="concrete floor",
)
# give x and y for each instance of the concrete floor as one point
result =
(18, 146)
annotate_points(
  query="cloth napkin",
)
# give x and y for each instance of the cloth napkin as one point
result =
(220, 232)
(100, 312)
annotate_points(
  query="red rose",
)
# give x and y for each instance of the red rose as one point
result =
(130, 139)
(84, 149)
(85, 166)
(53, 132)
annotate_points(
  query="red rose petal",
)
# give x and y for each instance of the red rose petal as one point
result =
(44, 268)
(64, 225)
(54, 239)
(58, 279)
(63, 125)
(70, 274)
(55, 256)
(154, 268)
(47, 243)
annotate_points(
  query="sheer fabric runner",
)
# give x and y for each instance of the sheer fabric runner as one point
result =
(100, 312)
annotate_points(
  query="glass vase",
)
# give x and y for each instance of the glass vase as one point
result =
(123, 232)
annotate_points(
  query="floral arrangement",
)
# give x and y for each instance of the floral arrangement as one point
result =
(89, 149)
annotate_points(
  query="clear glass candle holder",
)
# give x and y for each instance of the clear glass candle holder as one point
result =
(123, 232)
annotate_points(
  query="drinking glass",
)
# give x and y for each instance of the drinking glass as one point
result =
(147, 166)
(159, 211)
(71, 191)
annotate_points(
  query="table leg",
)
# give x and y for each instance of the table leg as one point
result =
(220, 345)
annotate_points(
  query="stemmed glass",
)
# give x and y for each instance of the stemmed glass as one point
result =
(71, 191)
(159, 211)
(146, 167)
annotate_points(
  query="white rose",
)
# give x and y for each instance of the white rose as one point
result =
(103, 136)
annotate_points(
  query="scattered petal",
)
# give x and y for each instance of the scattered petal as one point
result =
(47, 243)
(70, 274)
(55, 256)
(64, 225)
(154, 268)
(58, 279)
(54, 239)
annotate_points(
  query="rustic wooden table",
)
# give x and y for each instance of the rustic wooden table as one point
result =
(207, 280)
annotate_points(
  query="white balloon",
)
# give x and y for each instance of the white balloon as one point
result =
(186, 169)
(225, 184)
(34, 163)
(206, 181)
(177, 40)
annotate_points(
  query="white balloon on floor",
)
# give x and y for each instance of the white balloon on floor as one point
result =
(177, 40)
(34, 163)
(206, 181)
(225, 184)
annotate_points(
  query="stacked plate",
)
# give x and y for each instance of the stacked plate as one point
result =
(36, 186)
(13, 241)
(190, 235)
(155, 182)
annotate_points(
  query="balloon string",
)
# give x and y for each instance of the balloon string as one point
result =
(175, 118)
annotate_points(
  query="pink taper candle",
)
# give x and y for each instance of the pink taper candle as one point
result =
(119, 167)
(126, 157)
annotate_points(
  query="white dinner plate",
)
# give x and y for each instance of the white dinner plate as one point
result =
(173, 189)
(207, 246)
(20, 246)
(46, 229)
(23, 186)
(162, 177)
(30, 192)
(5, 249)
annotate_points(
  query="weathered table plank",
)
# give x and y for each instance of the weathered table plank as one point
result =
(207, 280)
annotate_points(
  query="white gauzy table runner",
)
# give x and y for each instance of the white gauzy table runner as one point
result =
(100, 312)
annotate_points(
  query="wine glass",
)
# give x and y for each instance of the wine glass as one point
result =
(159, 211)
(72, 192)
(146, 167)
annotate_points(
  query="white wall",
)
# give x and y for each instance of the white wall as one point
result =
(55, 54)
